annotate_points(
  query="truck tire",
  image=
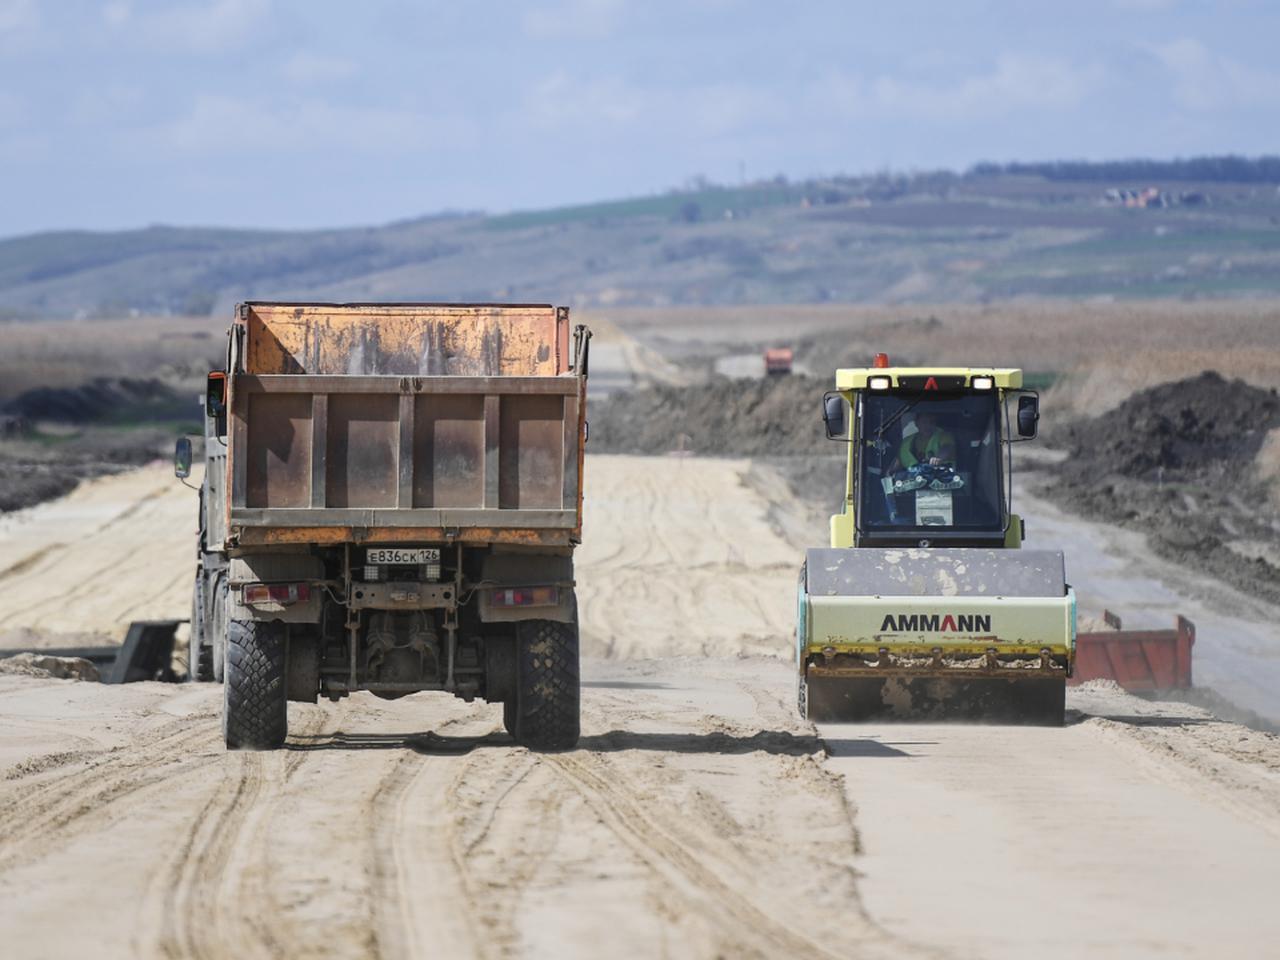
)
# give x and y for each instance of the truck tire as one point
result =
(255, 705)
(509, 716)
(546, 712)
(200, 650)
(219, 626)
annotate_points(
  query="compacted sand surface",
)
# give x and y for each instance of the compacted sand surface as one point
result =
(700, 817)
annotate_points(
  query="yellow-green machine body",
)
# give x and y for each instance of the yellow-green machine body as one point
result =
(925, 604)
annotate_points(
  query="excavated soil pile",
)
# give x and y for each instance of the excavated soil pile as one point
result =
(1202, 425)
(35, 470)
(24, 483)
(107, 425)
(103, 399)
(43, 665)
(1179, 462)
(777, 416)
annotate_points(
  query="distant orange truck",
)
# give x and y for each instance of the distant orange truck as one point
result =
(777, 361)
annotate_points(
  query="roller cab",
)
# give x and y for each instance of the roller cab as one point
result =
(924, 605)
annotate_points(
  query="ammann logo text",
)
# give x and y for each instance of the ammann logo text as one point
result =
(936, 623)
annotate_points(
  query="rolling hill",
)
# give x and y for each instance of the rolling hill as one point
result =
(1068, 230)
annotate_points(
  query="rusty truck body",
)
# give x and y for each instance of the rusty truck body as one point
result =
(391, 501)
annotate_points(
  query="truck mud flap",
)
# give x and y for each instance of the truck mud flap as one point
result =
(1029, 699)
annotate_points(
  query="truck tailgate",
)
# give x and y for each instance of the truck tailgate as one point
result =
(405, 422)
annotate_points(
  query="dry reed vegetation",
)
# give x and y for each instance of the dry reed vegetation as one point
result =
(56, 353)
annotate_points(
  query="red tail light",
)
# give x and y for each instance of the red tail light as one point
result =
(281, 593)
(526, 597)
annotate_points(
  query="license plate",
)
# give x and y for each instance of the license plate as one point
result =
(395, 555)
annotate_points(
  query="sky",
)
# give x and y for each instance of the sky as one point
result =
(310, 113)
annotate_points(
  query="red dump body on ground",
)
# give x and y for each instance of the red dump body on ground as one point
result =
(1141, 661)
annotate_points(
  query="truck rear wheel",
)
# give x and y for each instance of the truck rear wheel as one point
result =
(218, 626)
(509, 716)
(546, 711)
(255, 704)
(200, 650)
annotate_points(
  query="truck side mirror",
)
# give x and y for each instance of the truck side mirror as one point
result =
(215, 395)
(833, 416)
(1028, 415)
(182, 458)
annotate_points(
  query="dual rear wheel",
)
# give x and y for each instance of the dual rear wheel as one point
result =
(543, 715)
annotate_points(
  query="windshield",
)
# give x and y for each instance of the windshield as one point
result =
(931, 461)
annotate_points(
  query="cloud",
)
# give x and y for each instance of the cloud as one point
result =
(572, 105)
(106, 103)
(209, 27)
(117, 12)
(559, 99)
(12, 110)
(221, 124)
(1016, 82)
(306, 68)
(1206, 81)
(574, 19)
(16, 15)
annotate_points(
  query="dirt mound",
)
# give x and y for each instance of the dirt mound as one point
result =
(50, 465)
(1191, 427)
(1180, 462)
(723, 417)
(42, 665)
(25, 484)
(103, 399)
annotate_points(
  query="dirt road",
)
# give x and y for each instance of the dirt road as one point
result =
(699, 818)
(116, 549)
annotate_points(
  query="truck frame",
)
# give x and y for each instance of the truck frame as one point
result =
(391, 500)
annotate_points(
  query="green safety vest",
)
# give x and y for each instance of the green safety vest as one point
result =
(936, 442)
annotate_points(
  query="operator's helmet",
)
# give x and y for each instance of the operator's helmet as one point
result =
(926, 415)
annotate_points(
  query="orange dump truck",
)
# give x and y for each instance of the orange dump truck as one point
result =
(777, 361)
(391, 501)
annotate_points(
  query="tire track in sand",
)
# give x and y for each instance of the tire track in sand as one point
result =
(214, 899)
(38, 817)
(686, 864)
(421, 888)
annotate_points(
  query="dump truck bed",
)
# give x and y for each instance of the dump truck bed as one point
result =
(405, 422)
